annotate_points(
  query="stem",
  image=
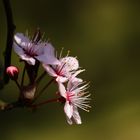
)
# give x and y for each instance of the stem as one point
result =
(17, 84)
(22, 79)
(11, 106)
(41, 76)
(44, 102)
(16, 104)
(43, 89)
(10, 33)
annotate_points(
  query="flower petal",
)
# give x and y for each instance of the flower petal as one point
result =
(77, 80)
(17, 49)
(47, 59)
(68, 109)
(39, 50)
(21, 40)
(76, 73)
(73, 83)
(61, 79)
(71, 63)
(29, 60)
(69, 121)
(49, 49)
(76, 116)
(49, 70)
(48, 56)
(62, 90)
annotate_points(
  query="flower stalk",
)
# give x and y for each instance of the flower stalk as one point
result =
(10, 34)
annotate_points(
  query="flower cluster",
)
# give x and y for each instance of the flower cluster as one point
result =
(63, 70)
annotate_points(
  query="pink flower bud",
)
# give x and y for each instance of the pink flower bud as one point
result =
(12, 72)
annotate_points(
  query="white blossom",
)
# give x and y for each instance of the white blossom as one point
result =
(75, 97)
(30, 51)
(64, 70)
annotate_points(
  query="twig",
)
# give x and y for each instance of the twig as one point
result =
(44, 102)
(40, 78)
(10, 33)
(18, 85)
(23, 74)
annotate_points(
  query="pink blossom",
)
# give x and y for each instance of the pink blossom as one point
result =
(13, 72)
(75, 97)
(30, 51)
(63, 71)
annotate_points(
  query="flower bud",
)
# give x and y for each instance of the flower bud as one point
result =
(12, 72)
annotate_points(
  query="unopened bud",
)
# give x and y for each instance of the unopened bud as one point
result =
(12, 72)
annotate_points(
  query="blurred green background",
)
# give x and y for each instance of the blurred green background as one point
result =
(105, 35)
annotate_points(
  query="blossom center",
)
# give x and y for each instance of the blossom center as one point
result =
(31, 52)
(60, 70)
(68, 96)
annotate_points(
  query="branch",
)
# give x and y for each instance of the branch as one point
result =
(44, 102)
(10, 33)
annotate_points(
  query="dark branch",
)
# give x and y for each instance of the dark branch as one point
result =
(10, 33)
(45, 102)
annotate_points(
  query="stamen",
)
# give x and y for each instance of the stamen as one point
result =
(47, 41)
(26, 32)
(80, 100)
(68, 53)
(60, 56)
(43, 34)
(61, 68)
(37, 36)
(83, 108)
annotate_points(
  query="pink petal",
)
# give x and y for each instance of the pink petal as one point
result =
(71, 63)
(29, 60)
(49, 70)
(76, 116)
(61, 79)
(68, 109)
(48, 56)
(17, 49)
(74, 81)
(69, 121)
(49, 49)
(38, 49)
(69, 85)
(62, 90)
(73, 84)
(21, 40)
(77, 80)
(47, 59)
(76, 73)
